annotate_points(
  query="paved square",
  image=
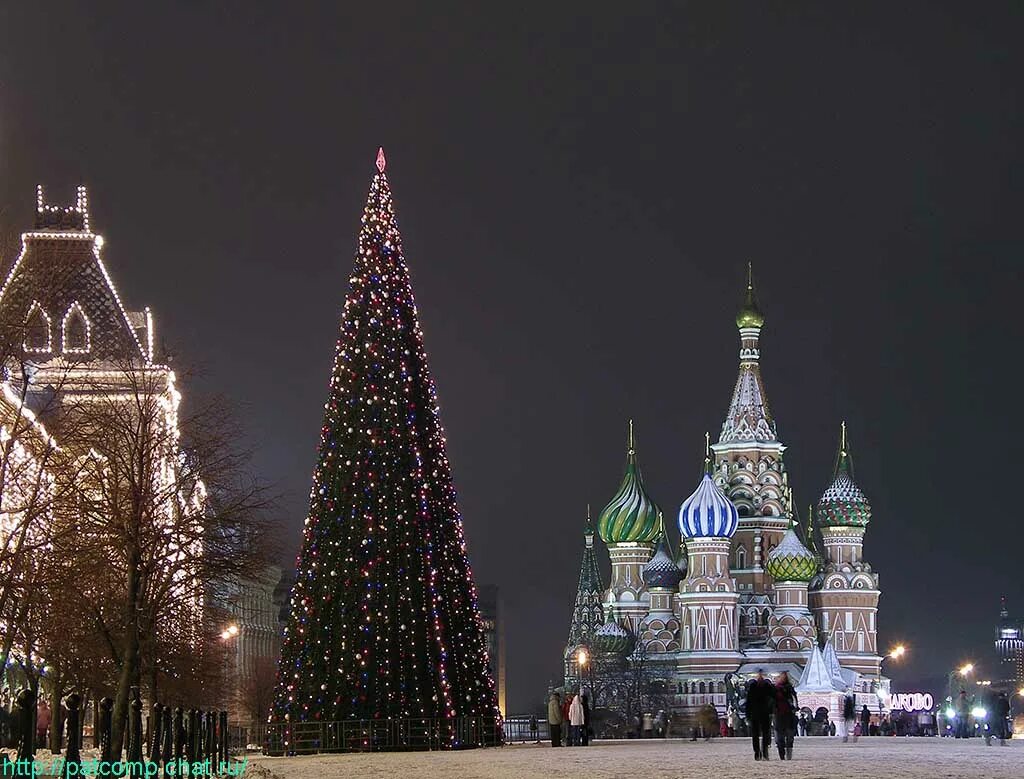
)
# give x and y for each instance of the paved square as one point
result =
(869, 758)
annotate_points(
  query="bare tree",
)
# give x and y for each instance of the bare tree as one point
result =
(166, 519)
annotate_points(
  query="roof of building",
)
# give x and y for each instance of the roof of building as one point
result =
(791, 560)
(661, 570)
(816, 676)
(59, 271)
(631, 516)
(843, 504)
(708, 512)
(749, 418)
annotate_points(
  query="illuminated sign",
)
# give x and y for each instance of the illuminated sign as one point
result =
(911, 701)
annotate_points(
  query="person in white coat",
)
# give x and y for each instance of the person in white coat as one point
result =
(576, 720)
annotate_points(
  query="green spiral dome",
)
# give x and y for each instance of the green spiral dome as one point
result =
(843, 504)
(631, 517)
(791, 561)
(612, 639)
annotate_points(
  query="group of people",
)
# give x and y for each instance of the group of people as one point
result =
(569, 719)
(767, 700)
(9, 725)
(999, 709)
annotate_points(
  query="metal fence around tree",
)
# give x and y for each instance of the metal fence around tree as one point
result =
(384, 735)
(176, 742)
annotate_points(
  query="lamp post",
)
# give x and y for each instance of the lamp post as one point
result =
(231, 669)
(963, 672)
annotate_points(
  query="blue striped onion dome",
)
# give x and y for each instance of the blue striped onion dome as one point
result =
(707, 513)
(843, 504)
(612, 639)
(631, 517)
(791, 561)
(660, 571)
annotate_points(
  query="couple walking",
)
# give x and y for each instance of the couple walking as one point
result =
(765, 699)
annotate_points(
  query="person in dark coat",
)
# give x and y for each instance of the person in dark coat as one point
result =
(1001, 710)
(585, 733)
(865, 721)
(760, 702)
(786, 707)
(555, 719)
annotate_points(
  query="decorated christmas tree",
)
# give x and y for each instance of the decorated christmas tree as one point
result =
(383, 621)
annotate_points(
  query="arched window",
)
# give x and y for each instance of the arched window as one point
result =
(75, 331)
(38, 337)
(741, 558)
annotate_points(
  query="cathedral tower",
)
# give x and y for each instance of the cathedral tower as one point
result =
(628, 525)
(748, 463)
(844, 595)
(791, 565)
(708, 597)
(587, 616)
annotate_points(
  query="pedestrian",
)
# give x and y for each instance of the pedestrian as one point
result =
(831, 728)
(760, 702)
(1001, 711)
(648, 727)
(42, 721)
(732, 722)
(586, 732)
(963, 711)
(801, 725)
(566, 729)
(534, 730)
(575, 721)
(723, 727)
(555, 719)
(865, 721)
(849, 714)
(786, 707)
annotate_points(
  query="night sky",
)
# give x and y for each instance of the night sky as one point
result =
(579, 192)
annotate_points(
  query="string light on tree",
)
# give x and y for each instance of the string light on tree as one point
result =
(384, 620)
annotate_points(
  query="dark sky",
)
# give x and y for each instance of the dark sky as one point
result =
(579, 192)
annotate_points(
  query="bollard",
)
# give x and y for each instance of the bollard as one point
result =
(166, 750)
(135, 768)
(179, 738)
(105, 725)
(73, 756)
(211, 737)
(223, 729)
(191, 740)
(26, 718)
(156, 726)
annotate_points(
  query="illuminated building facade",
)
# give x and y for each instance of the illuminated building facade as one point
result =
(748, 588)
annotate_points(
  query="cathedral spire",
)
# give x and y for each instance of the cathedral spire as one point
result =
(749, 418)
(586, 616)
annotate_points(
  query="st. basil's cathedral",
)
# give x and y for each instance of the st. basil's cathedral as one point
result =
(749, 589)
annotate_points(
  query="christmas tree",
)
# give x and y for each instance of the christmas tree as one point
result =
(384, 621)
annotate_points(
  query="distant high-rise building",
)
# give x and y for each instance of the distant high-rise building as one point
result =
(1009, 648)
(489, 603)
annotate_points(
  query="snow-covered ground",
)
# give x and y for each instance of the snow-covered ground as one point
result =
(869, 758)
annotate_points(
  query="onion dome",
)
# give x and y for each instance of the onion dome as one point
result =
(683, 558)
(631, 517)
(843, 504)
(750, 313)
(791, 561)
(660, 571)
(707, 513)
(613, 639)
